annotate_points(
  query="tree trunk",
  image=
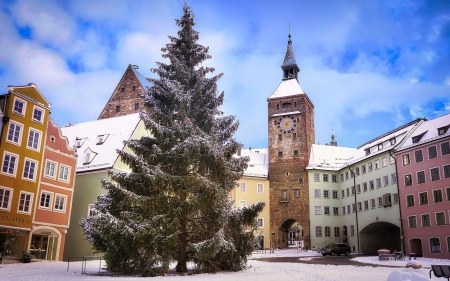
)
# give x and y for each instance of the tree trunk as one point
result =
(182, 239)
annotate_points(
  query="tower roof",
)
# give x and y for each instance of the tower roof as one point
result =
(289, 59)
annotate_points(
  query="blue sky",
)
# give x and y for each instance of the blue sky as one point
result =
(368, 66)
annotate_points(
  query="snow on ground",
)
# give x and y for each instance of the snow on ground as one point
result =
(425, 262)
(261, 271)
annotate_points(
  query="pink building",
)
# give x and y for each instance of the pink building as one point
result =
(423, 167)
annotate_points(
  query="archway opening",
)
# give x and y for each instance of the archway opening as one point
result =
(380, 235)
(415, 246)
(289, 233)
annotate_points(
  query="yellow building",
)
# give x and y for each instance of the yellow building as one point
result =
(253, 187)
(24, 114)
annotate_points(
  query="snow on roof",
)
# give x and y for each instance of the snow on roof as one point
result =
(289, 87)
(329, 157)
(258, 166)
(113, 131)
(142, 79)
(429, 129)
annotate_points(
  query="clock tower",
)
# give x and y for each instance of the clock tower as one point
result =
(291, 134)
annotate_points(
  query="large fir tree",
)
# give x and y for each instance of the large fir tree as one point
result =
(174, 205)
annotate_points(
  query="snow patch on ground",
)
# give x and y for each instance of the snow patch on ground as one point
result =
(425, 262)
(409, 274)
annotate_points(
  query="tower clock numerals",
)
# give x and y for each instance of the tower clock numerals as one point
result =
(286, 124)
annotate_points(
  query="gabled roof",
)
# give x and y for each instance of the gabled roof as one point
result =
(31, 92)
(289, 87)
(258, 166)
(118, 129)
(142, 79)
(328, 157)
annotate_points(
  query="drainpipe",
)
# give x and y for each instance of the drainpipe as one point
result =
(402, 242)
(356, 206)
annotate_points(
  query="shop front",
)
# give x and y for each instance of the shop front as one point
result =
(44, 243)
(13, 242)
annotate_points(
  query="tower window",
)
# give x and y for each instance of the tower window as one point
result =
(294, 135)
(280, 137)
(278, 107)
(136, 105)
(286, 105)
(123, 90)
(300, 180)
(295, 104)
(280, 153)
(296, 152)
(133, 88)
(275, 122)
(117, 108)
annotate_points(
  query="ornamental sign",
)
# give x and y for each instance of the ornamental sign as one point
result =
(14, 219)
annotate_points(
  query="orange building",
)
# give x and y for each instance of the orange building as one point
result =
(24, 113)
(54, 196)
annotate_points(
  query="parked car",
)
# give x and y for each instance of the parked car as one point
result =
(337, 249)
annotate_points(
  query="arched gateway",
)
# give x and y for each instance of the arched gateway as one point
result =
(291, 135)
(380, 235)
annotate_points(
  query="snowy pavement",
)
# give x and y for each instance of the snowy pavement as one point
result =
(259, 270)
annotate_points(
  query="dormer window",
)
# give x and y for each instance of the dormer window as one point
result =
(380, 146)
(89, 155)
(392, 141)
(101, 139)
(367, 150)
(443, 130)
(417, 138)
(79, 142)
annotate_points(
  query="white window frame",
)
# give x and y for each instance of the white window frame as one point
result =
(62, 166)
(36, 169)
(420, 198)
(260, 222)
(373, 204)
(89, 213)
(394, 178)
(30, 203)
(317, 193)
(431, 174)
(335, 211)
(440, 245)
(24, 108)
(326, 194)
(317, 210)
(36, 108)
(8, 205)
(325, 208)
(20, 125)
(363, 169)
(409, 222)
(50, 202)
(406, 200)
(325, 177)
(395, 198)
(369, 167)
(428, 151)
(38, 148)
(260, 188)
(55, 209)
(55, 169)
(386, 180)
(429, 219)
(296, 193)
(242, 203)
(404, 157)
(384, 161)
(377, 164)
(442, 195)
(435, 217)
(316, 177)
(16, 163)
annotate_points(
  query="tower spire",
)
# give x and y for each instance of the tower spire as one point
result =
(289, 66)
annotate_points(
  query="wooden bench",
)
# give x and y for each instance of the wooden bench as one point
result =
(441, 271)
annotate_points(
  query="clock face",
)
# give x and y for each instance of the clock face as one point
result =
(286, 124)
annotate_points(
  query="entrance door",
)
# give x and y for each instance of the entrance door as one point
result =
(51, 249)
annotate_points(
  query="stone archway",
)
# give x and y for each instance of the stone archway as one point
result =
(289, 232)
(379, 235)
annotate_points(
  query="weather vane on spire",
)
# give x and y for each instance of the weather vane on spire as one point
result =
(289, 32)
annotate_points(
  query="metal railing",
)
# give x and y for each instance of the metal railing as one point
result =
(83, 262)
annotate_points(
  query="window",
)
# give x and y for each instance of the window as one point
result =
(432, 152)
(426, 220)
(410, 200)
(365, 187)
(437, 195)
(448, 193)
(91, 210)
(377, 164)
(359, 207)
(326, 210)
(367, 151)
(386, 180)
(316, 193)
(353, 190)
(60, 201)
(133, 88)
(366, 205)
(342, 193)
(348, 192)
(118, 108)
(242, 203)
(318, 210)
(354, 208)
(412, 222)
(260, 188)
(418, 155)
(343, 210)
(260, 222)
(294, 135)
(50, 169)
(348, 209)
(284, 197)
(384, 161)
(19, 106)
(395, 198)
(380, 146)
(335, 194)
(420, 177)
(318, 231)
(38, 114)
(326, 194)
(29, 170)
(346, 175)
(336, 211)
(25, 202)
(405, 158)
(64, 173)
(391, 160)
(408, 180)
(434, 174)
(123, 90)
(46, 200)
(380, 202)
(337, 232)
(334, 178)
(295, 152)
(371, 185)
(243, 186)
(440, 218)
(14, 133)
(5, 198)
(378, 182)
(435, 245)
(363, 169)
(447, 171)
(297, 193)
(280, 153)
(358, 188)
(445, 148)
(352, 230)
(34, 139)
(327, 231)
(423, 198)
(316, 177)
(9, 164)
(101, 139)
(387, 200)
(394, 178)
(325, 177)
(280, 137)
(351, 173)
(369, 167)
(372, 203)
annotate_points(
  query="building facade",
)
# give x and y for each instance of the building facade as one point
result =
(54, 197)
(22, 139)
(423, 164)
